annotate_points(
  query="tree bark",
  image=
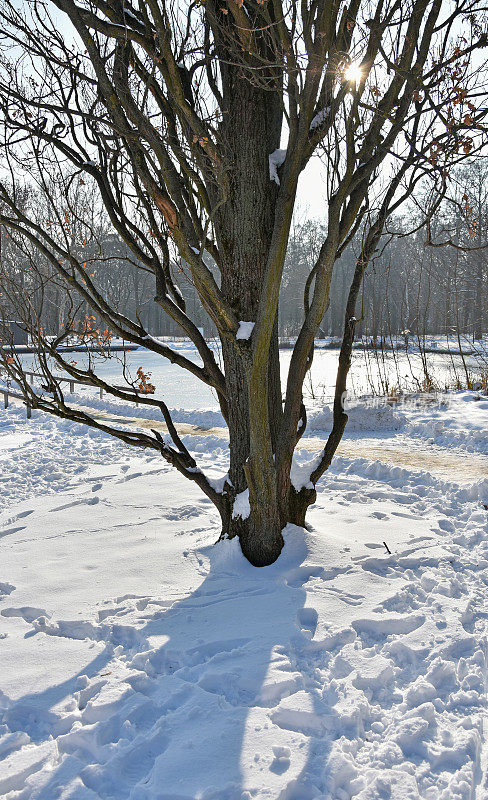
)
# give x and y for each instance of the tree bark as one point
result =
(252, 124)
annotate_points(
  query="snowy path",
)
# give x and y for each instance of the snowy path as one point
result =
(140, 662)
(390, 448)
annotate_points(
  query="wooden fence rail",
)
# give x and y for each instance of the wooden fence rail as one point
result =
(71, 381)
(8, 392)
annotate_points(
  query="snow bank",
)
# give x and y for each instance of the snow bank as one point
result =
(459, 419)
(361, 417)
(454, 419)
(202, 418)
(46, 454)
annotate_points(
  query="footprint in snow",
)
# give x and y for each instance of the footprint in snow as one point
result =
(382, 626)
(308, 619)
(446, 525)
(90, 501)
(129, 476)
(21, 515)
(27, 613)
(281, 761)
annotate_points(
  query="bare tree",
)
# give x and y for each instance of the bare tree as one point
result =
(177, 110)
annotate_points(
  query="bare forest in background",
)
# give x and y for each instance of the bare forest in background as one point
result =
(413, 287)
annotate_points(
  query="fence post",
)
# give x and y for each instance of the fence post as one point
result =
(5, 399)
(32, 378)
(71, 386)
(101, 392)
(29, 411)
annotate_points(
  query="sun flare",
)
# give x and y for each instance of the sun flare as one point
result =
(353, 73)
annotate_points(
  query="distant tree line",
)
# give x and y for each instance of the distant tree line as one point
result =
(423, 280)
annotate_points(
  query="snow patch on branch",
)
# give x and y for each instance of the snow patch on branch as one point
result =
(149, 337)
(204, 255)
(320, 118)
(130, 15)
(241, 506)
(300, 472)
(244, 330)
(276, 159)
(219, 483)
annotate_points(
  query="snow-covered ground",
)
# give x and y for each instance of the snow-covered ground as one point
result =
(140, 661)
(180, 389)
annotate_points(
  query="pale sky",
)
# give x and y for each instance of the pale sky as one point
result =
(311, 195)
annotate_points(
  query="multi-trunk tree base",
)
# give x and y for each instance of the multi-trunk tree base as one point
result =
(261, 534)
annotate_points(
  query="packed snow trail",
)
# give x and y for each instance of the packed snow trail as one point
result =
(141, 662)
(395, 448)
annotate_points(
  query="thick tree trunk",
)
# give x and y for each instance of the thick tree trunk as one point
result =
(260, 532)
(244, 225)
(260, 537)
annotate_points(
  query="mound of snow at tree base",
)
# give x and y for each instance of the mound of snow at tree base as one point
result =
(141, 662)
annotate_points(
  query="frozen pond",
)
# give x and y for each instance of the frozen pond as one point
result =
(180, 389)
